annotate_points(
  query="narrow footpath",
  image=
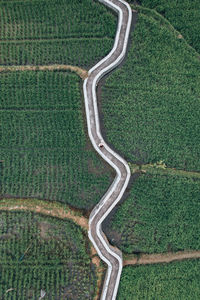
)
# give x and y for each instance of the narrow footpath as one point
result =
(110, 255)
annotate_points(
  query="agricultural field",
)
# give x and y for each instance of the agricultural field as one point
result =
(184, 15)
(48, 32)
(44, 151)
(79, 52)
(177, 280)
(45, 253)
(161, 214)
(154, 104)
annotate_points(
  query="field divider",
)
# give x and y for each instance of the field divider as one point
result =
(48, 208)
(145, 259)
(159, 168)
(79, 71)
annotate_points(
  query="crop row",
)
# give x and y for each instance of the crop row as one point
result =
(55, 19)
(43, 253)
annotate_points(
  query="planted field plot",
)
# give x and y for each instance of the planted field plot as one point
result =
(183, 15)
(80, 52)
(177, 280)
(151, 105)
(161, 214)
(42, 253)
(61, 31)
(44, 151)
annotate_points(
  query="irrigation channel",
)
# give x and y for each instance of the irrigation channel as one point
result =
(110, 255)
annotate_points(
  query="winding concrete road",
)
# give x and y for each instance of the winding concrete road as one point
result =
(110, 255)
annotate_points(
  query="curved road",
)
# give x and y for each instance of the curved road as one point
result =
(110, 255)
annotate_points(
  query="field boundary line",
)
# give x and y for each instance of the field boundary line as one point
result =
(52, 209)
(107, 253)
(57, 67)
(145, 259)
(162, 170)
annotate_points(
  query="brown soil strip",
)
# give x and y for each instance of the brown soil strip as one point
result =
(79, 71)
(45, 207)
(145, 259)
(162, 169)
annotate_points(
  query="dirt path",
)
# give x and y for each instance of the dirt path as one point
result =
(161, 169)
(145, 259)
(45, 207)
(80, 72)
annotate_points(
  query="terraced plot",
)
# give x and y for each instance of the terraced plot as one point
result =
(79, 52)
(183, 15)
(161, 214)
(44, 152)
(45, 253)
(154, 105)
(62, 31)
(177, 280)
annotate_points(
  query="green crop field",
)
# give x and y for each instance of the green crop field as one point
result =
(79, 52)
(177, 280)
(184, 15)
(45, 253)
(161, 214)
(151, 105)
(62, 31)
(44, 151)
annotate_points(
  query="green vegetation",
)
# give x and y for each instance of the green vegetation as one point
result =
(80, 52)
(62, 31)
(177, 280)
(161, 214)
(44, 152)
(153, 108)
(55, 19)
(45, 253)
(184, 15)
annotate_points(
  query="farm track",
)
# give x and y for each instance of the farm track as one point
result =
(48, 208)
(159, 169)
(110, 255)
(79, 71)
(145, 259)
